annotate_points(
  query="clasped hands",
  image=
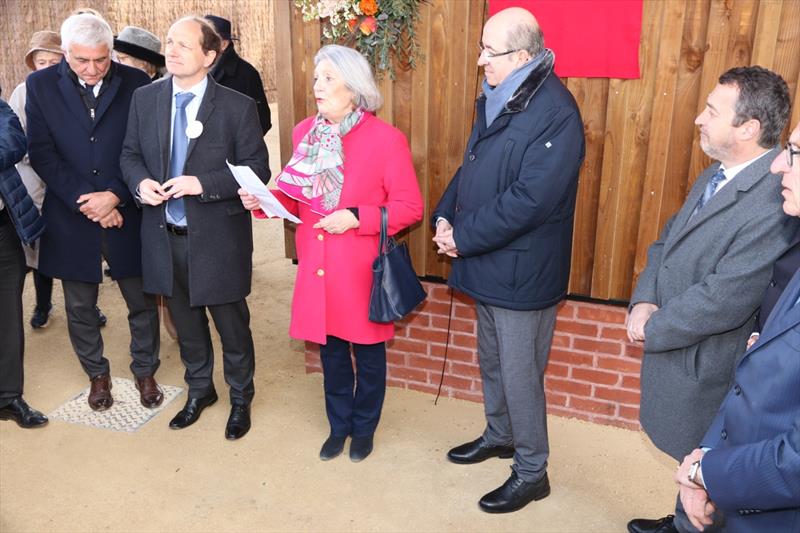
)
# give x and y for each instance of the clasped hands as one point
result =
(444, 239)
(101, 207)
(694, 497)
(637, 319)
(154, 193)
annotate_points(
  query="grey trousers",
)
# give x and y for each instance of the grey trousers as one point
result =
(513, 348)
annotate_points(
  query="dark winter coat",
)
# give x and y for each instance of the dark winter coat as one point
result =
(235, 73)
(512, 201)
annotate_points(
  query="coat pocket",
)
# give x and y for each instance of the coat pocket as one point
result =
(690, 362)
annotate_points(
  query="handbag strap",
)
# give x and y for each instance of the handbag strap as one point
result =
(382, 244)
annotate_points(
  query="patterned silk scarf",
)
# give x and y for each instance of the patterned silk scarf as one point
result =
(314, 174)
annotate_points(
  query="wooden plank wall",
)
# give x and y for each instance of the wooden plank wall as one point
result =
(252, 23)
(642, 145)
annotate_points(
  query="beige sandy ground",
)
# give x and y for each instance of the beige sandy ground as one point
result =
(74, 478)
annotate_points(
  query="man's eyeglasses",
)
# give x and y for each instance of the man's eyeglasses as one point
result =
(790, 153)
(492, 55)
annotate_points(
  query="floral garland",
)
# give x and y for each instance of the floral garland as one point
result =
(382, 30)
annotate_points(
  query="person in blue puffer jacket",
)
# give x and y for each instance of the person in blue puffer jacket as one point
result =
(19, 223)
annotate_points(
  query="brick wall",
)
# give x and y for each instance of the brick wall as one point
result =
(593, 372)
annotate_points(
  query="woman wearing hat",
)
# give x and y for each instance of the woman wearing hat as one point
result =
(138, 48)
(45, 51)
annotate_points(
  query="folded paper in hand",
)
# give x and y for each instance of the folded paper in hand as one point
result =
(269, 204)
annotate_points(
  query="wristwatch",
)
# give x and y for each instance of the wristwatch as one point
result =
(693, 470)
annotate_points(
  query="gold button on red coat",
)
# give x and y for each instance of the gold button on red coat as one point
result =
(320, 272)
(320, 237)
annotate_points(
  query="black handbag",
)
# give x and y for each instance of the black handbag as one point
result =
(396, 290)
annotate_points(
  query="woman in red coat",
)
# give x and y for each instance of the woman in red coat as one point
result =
(347, 164)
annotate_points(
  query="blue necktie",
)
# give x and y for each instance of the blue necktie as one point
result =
(711, 188)
(177, 159)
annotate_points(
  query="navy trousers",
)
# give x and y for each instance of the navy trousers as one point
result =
(353, 401)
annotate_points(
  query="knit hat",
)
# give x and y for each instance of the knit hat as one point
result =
(139, 43)
(47, 41)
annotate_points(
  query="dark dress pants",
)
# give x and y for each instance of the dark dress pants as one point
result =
(194, 338)
(353, 401)
(12, 337)
(80, 301)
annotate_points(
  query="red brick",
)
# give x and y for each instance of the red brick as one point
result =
(616, 422)
(629, 413)
(454, 353)
(430, 335)
(422, 387)
(592, 406)
(591, 345)
(634, 350)
(555, 369)
(422, 320)
(466, 370)
(456, 324)
(617, 395)
(566, 413)
(452, 382)
(553, 398)
(394, 357)
(464, 340)
(400, 329)
(571, 358)
(434, 307)
(313, 369)
(567, 386)
(618, 364)
(425, 363)
(410, 374)
(606, 314)
(408, 346)
(619, 334)
(461, 299)
(578, 328)
(566, 310)
(468, 313)
(439, 292)
(399, 383)
(595, 376)
(560, 341)
(631, 382)
(470, 396)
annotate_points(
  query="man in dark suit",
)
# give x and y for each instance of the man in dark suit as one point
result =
(506, 218)
(77, 113)
(196, 235)
(745, 475)
(235, 73)
(694, 304)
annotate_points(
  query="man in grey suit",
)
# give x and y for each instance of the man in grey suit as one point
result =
(196, 236)
(695, 302)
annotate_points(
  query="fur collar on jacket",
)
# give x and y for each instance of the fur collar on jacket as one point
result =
(523, 95)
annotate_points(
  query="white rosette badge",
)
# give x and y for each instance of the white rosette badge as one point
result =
(194, 129)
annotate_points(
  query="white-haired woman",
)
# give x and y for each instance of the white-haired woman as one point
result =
(346, 165)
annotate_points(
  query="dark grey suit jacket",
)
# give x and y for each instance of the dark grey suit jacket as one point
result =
(707, 276)
(220, 229)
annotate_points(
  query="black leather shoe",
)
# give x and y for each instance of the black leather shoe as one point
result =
(238, 422)
(514, 494)
(332, 447)
(662, 525)
(101, 318)
(41, 317)
(360, 448)
(191, 411)
(478, 450)
(22, 413)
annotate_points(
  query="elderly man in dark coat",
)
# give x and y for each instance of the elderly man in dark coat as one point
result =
(77, 112)
(506, 218)
(233, 72)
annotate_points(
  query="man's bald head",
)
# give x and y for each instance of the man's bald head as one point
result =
(520, 27)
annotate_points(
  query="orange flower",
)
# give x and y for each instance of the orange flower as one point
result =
(368, 25)
(351, 24)
(368, 7)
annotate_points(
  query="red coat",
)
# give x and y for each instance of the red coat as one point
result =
(334, 274)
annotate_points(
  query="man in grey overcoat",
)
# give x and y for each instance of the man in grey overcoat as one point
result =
(197, 237)
(694, 304)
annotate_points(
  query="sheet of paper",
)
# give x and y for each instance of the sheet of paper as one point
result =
(269, 204)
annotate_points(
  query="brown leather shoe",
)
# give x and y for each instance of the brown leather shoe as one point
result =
(100, 393)
(149, 392)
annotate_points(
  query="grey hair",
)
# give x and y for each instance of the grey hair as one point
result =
(86, 30)
(526, 37)
(355, 72)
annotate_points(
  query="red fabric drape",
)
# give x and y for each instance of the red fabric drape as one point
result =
(591, 38)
